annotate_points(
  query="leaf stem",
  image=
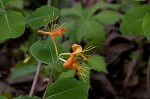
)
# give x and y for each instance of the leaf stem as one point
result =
(48, 2)
(38, 67)
(48, 83)
(35, 79)
(55, 45)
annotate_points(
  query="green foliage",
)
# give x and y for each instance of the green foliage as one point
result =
(2, 97)
(47, 70)
(67, 88)
(91, 30)
(86, 72)
(3, 3)
(22, 72)
(132, 23)
(36, 20)
(16, 3)
(99, 5)
(97, 63)
(12, 22)
(31, 40)
(108, 17)
(25, 97)
(128, 5)
(44, 51)
(22, 69)
(67, 74)
(88, 25)
(146, 26)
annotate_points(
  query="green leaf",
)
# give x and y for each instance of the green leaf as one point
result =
(99, 5)
(16, 3)
(71, 32)
(67, 88)
(2, 41)
(3, 3)
(2, 97)
(44, 51)
(22, 72)
(86, 72)
(132, 23)
(97, 63)
(108, 17)
(22, 69)
(76, 12)
(31, 40)
(12, 24)
(146, 26)
(69, 73)
(36, 20)
(25, 97)
(128, 5)
(91, 30)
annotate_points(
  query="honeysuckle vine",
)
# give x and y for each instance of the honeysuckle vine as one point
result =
(71, 63)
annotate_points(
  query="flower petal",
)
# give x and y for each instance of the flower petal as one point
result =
(76, 48)
(70, 62)
(43, 32)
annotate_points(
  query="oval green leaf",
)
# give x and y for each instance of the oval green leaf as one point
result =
(67, 88)
(12, 24)
(132, 23)
(44, 51)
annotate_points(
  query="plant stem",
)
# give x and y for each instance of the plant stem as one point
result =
(38, 67)
(35, 79)
(55, 45)
(50, 78)
(48, 2)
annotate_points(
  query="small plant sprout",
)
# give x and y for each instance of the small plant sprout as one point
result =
(53, 31)
(78, 51)
(72, 64)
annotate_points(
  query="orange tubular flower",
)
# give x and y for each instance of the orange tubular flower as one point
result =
(57, 32)
(72, 64)
(78, 51)
(69, 63)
